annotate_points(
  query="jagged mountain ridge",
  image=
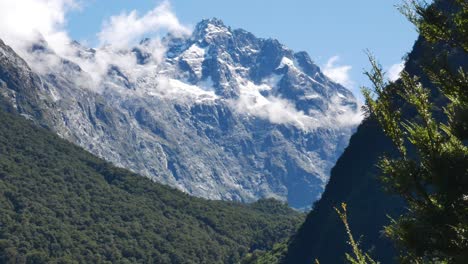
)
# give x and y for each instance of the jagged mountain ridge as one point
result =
(220, 114)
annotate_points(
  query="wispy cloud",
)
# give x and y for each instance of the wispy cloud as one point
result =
(127, 28)
(394, 71)
(282, 111)
(338, 73)
(26, 21)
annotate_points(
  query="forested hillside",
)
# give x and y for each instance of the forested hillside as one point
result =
(60, 204)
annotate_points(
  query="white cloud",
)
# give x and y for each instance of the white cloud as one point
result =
(395, 70)
(119, 33)
(177, 90)
(98, 65)
(344, 116)
(25, 21)
(339, 74)
(127, 28)
(274, 109)
(281, 111)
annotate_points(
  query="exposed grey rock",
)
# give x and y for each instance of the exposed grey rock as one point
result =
(224, 115)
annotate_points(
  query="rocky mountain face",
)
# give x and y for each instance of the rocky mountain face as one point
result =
(220, 114)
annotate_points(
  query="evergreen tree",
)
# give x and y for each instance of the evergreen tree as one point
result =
(431, 171)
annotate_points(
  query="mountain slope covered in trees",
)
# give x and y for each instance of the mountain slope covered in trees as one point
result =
(60, 204)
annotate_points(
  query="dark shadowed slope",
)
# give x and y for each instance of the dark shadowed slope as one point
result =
(354, 181)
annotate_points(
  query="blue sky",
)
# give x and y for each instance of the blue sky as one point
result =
(338, 29)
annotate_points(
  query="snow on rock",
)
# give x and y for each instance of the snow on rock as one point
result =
(286, 62)
(194, 56)
(213, 116)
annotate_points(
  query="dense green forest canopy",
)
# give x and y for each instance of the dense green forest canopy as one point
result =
(60, 204)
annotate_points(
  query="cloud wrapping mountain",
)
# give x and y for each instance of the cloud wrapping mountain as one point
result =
(218, 113)
(24, 22)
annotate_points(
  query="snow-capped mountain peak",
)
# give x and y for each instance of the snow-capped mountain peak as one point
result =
(220, 114)
(211, 30)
